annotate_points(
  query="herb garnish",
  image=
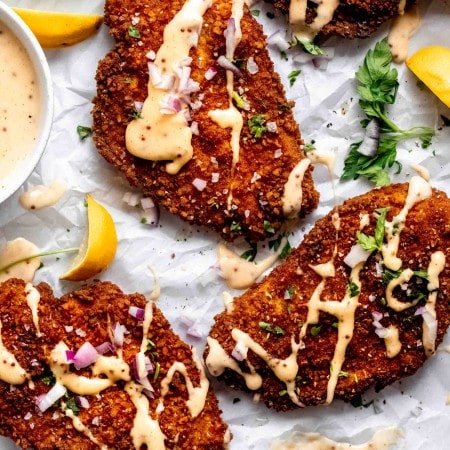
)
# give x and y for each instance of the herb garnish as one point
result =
(134, 32)
(84, 132)
(235, 226)
(373, 243)
(72, 405)
(378, 85)
(292, 76)
(268, 327)
(275, 245)
(353, 289)
(256, 125)
(308, 46)
(268, 227)
(250, 254)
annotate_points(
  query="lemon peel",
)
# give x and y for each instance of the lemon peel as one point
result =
(59, 29)
(432, 66)
(98, 247)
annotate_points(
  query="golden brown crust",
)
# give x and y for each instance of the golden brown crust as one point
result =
(122, 79)
(78, 317)
(366, 364)
(353, 18)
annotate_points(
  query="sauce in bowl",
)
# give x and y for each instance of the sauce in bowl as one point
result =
(20, 103)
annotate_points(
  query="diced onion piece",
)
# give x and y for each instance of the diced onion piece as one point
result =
(228, 65)
(199, 184)
(230, 37)
(302, 58)
(82, 402)
(240, 351)
(369, 145)
(279, 40)
(132, 198)
(70, 355)
(43, 402)
(252, 67)
(271, 127)
(210, 73)
(118, 334)
(136, 312)
(320, 62)
(356, 255)
(186, 321)
(194, 128)
(85, 356)
(138, 106)
(104, 348)
(151, 212)
(140, 366)
(194, 333)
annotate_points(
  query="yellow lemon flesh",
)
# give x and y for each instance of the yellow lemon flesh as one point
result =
(99, 244)
(432, 66)
(59, 29)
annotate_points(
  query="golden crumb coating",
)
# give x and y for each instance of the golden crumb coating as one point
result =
(238, 199)
(353, 18)
(278, 313)
(107, 418)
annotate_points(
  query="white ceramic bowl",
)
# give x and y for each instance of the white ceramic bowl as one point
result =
(24, 169)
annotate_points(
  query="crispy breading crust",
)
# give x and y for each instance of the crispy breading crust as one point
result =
(122, 79)
(366, 364)
(86, 315)
(353, 18)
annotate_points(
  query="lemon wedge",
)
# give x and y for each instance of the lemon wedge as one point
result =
(59, 29)
(99, 244)
(432, 66)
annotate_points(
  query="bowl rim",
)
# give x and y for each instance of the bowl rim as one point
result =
(12, 20)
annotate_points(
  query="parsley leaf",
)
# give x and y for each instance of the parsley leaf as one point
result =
(292, 76)
(256, 125)
(378, 86)
(374, 243)
(308, 46)
(353, 289)
(250, 254)
(134, 32)
(83, 131)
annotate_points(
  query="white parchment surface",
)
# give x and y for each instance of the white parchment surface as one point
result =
(184, 256)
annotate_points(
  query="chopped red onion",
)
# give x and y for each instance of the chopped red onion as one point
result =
(420, 311)
(82, 402)
(136, 312)
(104, 348)
(45, 401)
(382, 332)
(154, 74)
(170, 105)
(320, 62)
(148, 388)
(132, 198)
(118, 334)
(240, 351)
(194, 128)
(194, 333)
(70, 355)
(377, 316)
(138, 106)
(277, 153)
(302, 58)
(252, 67)
(256, 176)
(199, 184)
(184, 77)
(230, 37)
(228, 65)
(210, 73)
(186, 321)
(215, 177)
(369, 145)
(151, 55)
(277, 39)
(85, 356)
(356, 255)
(142, 366)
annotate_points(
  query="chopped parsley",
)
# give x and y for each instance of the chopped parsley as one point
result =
(282, 393)
(308, 47)
(240, 102)
(315, 330)
(84, 132)
(268, 327)
(292, 76)
(353, 289)
(235, 226)
(135, 114)
(256, 125)
(250, 254)
(375, 242)
(309, 147)
(275, 245)
(157, 370)
(255, 12)
(378, 86)
(268, 227)
(289, 293)
(134, 32)
(72, 405)
(49, 379)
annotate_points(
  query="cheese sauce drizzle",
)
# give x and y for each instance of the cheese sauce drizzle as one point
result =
(402, 28)
(392, 341)
(418, 190)
(429, 335)
(15, 250)
(381, 440)
(240, 273)
(156, 135)
(41, 196)
(146, 430)
(79, 426)
(231, 117)
(33, 297)
(297, 18)
(293, 194)
(10, 369)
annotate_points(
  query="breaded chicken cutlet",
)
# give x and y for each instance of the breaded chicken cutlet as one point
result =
(352, 18)
(215, 141)
(334, 319)
(82, 372)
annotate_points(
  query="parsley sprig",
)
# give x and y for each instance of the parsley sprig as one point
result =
(375, 242)
(378, 86)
